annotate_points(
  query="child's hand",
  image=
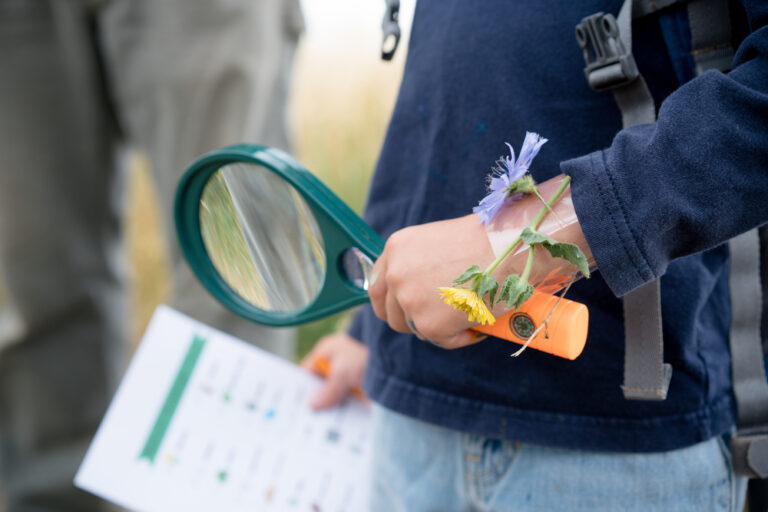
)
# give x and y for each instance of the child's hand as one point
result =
(348, 359)
(415, 262)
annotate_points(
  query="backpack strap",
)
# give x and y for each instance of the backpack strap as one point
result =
(711, 46)
(642, 8)
(646, 375)
(750, 444)
(606, 43)
(390, 29)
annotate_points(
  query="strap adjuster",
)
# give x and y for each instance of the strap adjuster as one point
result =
(609, 63)
(390, 29)
(749, 453)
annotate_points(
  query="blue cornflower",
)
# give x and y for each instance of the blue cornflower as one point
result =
(490, 204)
(509, 181)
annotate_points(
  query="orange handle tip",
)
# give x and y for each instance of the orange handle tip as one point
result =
(322, 367)
(564, 336)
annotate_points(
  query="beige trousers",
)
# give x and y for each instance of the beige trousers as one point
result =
(78, 80)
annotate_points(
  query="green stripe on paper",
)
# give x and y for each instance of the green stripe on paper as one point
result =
(165, 416)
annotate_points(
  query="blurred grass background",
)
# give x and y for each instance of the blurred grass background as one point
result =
(342, 98)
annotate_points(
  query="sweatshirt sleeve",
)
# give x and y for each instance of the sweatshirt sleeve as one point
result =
(686, 183)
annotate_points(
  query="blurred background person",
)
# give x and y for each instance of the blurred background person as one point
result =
(80, 80)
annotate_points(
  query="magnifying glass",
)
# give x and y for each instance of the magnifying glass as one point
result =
(273, 244)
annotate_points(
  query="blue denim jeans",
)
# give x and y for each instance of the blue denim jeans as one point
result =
(421, 467)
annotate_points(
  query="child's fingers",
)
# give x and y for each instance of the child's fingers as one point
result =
(308, 363)
(333, 391)
(322, 349)
(378, 289)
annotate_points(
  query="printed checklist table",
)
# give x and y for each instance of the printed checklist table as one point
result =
(203, 421)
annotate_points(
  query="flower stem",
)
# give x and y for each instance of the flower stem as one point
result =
(533, 225)
(528, 265)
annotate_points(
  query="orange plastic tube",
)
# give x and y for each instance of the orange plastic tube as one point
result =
(564, 336)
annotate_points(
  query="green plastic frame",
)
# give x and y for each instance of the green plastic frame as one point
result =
(341, 229)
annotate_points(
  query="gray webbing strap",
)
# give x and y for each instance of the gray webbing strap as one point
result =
(750, 385)
(711, 48)
(607, 47)
(606, 43)
(750, 445)
(634, 99)
(645, 7)
(390, 29)
(749, 453)
(710, 22)
(646, 376)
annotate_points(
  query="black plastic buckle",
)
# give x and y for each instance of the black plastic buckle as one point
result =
(390, 29)
(609, 64)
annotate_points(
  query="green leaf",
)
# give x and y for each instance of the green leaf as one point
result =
(492, 293)
(524, 295)
(571, 253)
(468, 274)
(487, 285)
(505, 288)
(515, 291)
(531, 237)
(566, 251)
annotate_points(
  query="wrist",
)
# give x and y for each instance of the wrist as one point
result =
(560, 224)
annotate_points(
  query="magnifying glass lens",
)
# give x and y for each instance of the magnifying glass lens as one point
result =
(357, 267)
(262, 237)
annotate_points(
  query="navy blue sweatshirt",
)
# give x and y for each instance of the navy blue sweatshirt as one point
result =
(655, 200)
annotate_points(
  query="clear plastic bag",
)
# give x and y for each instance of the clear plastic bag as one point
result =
(548, 274)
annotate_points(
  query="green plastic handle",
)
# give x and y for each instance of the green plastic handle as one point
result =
(341, 229)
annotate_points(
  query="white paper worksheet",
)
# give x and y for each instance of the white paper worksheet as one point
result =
(205, 422)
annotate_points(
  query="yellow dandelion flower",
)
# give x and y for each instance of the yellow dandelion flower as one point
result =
(464, 299)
